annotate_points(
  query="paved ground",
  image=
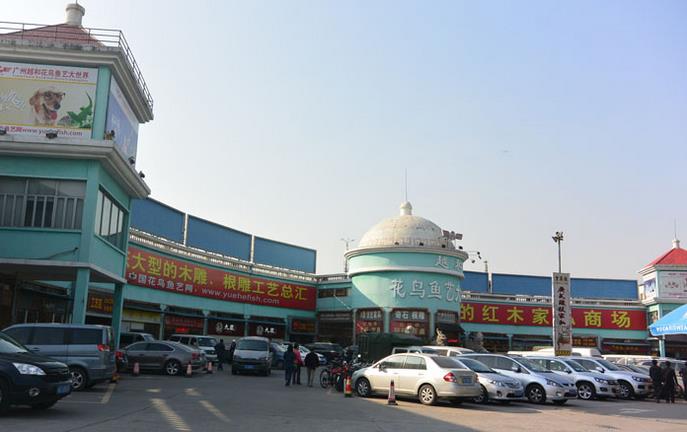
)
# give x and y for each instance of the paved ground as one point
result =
(222, 402)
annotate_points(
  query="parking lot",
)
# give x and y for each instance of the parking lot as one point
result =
(222, 402)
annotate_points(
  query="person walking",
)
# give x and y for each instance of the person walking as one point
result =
(230, 352)
(683, 372)
(289, 359)
(220, 350)
(312, 361)
(669, 383)
(656, 374)
(298, 362)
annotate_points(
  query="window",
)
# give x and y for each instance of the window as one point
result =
(20, 334)
(158, 347)
(395, 362)
(555, 366)
(41, 203)
(587, 364)
(110, 220)
(141, 346)
(87, 336)
(413, 362)
(48, 336)
(332, 292)
(442, 352)
(505, 364)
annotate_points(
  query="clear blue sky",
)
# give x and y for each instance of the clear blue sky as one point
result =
(295, 120)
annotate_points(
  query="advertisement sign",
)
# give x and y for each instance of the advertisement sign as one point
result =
(37, 98)
(303, 326)
(122, 120)
(673, 284)
(527, 315)
(649, 289)
(182, 324)
(225, 327)
(410, 321)
(151, 270)
(268, 330)
(334, 316)
(140, 316)
(562, 314)
(585, 341)
(100, 303)
(447, 317)
(369, 321)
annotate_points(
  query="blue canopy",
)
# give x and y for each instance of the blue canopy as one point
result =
(671, 324)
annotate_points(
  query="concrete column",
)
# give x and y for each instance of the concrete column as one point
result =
(510, 342)
(205, 321)
(117, 306)
(80, 296)
(432, 322)
(163, 308)
(353, 314)
(387, 320)
(662, 346)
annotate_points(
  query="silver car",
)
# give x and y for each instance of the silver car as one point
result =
(495, 386)
(590, 384)
(427, 377)
(171, 357)
(540, 384)
(631, 384)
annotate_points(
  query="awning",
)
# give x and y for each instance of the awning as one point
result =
(52, 270)
(674, 323)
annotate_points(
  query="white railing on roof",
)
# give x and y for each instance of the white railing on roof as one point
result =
(76, 37)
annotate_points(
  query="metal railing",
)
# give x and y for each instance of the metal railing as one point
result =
(75, 38)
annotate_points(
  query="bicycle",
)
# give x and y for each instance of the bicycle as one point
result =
(332, 374)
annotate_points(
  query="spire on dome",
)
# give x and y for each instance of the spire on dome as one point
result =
(406, 209)
(676, 243)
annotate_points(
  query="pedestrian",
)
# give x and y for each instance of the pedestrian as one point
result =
(656, 374)
(684, 380)
(669, 383)
(220, 350)
(312, 361)
(230, 352)
(298, 363)
(289, 359)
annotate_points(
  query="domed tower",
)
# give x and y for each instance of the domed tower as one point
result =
(406, 275)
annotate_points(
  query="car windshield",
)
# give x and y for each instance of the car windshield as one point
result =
(448, 363)
(207, 342)
(251, 345)
(475, 365)
(575, 366)
(531, 365)
(10, 346)
(608, 365)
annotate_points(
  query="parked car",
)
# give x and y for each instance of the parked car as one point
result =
(540, 384)
(30, 379)
(252, 354)
(495, 386)
(277, 350)
(87, 349)
(413, 349)
(203, 343)
(127, 338)
(634, 368)
(450, 351)
(330, 351)
(427, 377)
(590, 384)
(631, 384)
(170, 357)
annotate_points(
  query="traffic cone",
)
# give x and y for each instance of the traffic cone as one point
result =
(189, 370)
(209, 367)
(348, 391)
(137, 369)
(392, 394)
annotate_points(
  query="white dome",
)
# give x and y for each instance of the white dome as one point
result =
(406, 230)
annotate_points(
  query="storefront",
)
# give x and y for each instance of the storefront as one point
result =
(369, 321)
(302, 330)
(529, 342)
(182, 324)
(585, 341)
(229, 326)
(413, 322)
(272, 328)
(625, 346)
(140, 318)
(99, 308)
(335, 327)
(38, 303)
(447, 322)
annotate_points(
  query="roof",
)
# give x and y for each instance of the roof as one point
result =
(60, 33)
(674, 257)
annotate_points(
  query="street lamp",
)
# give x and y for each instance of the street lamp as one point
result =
(558, 238)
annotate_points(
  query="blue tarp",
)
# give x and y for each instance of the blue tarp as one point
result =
(673, 323)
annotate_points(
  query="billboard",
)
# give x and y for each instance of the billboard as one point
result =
(36, 98)
(673, 284)
(151, 270)
(122, 120)
(562, 314)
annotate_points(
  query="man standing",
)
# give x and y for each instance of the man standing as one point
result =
(656, 374)
(230, 353)
(289, 360)
(220, 350)
(298, 362)
(312, 361)
(669, 383)
(684, 379)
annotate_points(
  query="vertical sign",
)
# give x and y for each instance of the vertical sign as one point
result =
(562, 314)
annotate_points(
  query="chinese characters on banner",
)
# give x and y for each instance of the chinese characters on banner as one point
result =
(410, 321)
(527, 315)
(268, 330)
(301, 325)
(101, 303)
(562, 314)
(369, 321)
(225, 327)
(433, 290)
(151, 270)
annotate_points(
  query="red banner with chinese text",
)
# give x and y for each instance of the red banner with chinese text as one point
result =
(159, 272)
(527, 315)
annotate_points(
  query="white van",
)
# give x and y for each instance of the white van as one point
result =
(576, 351)
(205, 344)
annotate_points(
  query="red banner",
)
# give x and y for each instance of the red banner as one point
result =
(151, 270)
(526, 315)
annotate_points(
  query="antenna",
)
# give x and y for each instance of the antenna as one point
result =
(675, 227)
(406, 196)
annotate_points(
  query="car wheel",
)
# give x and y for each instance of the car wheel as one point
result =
(536, 394)
(585, 391)
(44, 405)
(4, 396)
(362, 387)
(560, 402)
(79, 378)
(172, 368)
(427, 395)
(626, 390)
(484, 397)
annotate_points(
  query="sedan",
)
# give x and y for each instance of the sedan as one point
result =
(170, 357)
(427, 377)
(495, 386)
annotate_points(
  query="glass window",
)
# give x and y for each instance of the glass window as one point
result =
(141, 346)
(442, 352)
(156, 346)
(49, 336)
(20, 334)
(413, 362)
(106, 211)
(87, 336)
(555, 365)
(394, 362)
(505, 364)
(110, 220)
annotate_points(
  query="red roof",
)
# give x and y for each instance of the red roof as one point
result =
(675, 257)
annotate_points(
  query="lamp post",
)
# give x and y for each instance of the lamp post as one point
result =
(558, 238)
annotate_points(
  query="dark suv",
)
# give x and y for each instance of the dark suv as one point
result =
(30, 379)
(330, 350)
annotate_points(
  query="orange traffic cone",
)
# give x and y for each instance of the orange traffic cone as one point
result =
(137, 369)
(209, 367)
(348, 391)
(189, 370)
(392, 394)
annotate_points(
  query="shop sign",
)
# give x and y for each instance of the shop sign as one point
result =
(369, 321)
(156, 271)
(673, 285)
(625, 347)
(585, 341)
(334, 316)
(526, 315)
(432, 291)
(100, 303)
(225, 328)
(300, 325)
(562, 314)
(183, 322)
(409, 321)
(447, 317)
(140, 316)
(268, 330)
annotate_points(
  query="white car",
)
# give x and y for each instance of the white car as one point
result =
(631, 384)
(590, 384)
(495, 386)
(427, 377)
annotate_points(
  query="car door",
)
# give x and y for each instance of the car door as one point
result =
(557, 367)
(86, 347)
(387, 370)
(507, 367)
(50, 341)
(414, 370)
(157, 354)
(135, 353)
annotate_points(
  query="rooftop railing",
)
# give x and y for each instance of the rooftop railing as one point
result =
(75, 38)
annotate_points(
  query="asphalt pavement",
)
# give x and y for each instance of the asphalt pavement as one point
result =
(223, 402)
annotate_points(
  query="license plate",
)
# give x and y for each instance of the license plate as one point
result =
(249, 366)
(64, 389)
(467, 380)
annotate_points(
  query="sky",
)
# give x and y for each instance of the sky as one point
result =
(296, 120)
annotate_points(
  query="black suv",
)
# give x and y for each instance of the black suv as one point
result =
(30, 379)
(330, 350)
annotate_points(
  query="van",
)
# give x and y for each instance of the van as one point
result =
(206, 344)
(87, 349)
(252, 354)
